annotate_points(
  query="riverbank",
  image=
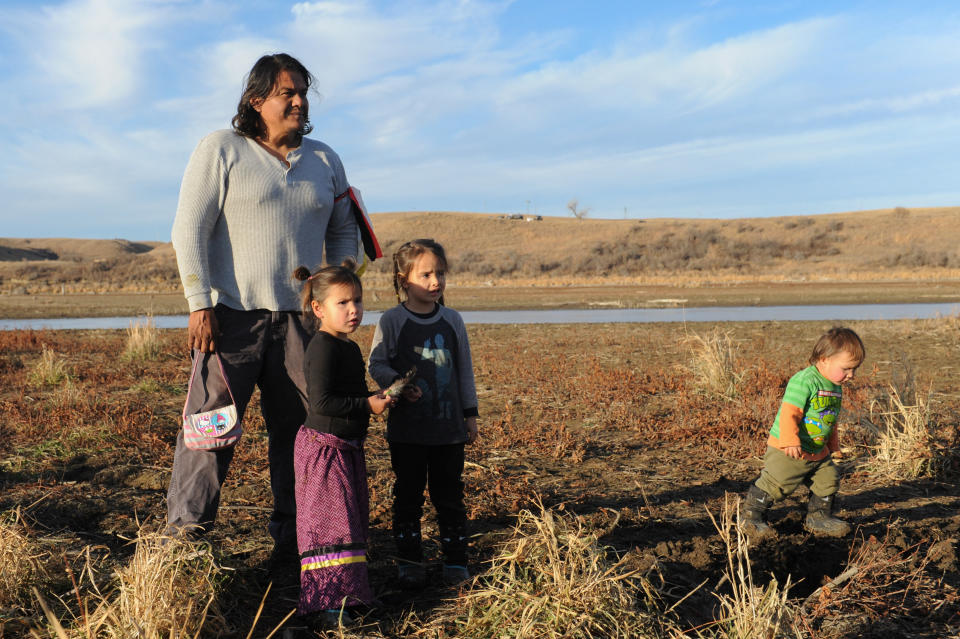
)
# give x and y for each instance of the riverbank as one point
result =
(507, 297)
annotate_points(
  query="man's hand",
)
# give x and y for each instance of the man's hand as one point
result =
(203, 330)
(471, 429)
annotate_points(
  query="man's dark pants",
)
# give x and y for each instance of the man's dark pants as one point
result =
(258, 348)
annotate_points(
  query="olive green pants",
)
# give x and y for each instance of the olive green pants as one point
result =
(781, 475)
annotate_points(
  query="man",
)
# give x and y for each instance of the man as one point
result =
(256, 202)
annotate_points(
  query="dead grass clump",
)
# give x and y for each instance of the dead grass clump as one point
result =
(143, 341)
(905, 440)
(714, 364)
(749, 610)
(20, 565)
(49, 370)
(552, 579)
(169, 589)
(909, 440)
(883, 581)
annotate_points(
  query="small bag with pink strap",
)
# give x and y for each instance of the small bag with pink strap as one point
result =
(217, 427)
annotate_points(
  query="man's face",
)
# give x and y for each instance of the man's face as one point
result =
(285, 110)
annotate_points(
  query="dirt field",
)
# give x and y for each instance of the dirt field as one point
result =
(606, 422)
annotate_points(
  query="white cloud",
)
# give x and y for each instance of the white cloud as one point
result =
(87, 53)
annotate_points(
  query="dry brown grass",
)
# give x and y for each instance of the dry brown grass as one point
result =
(168, 589)
(21, 567)
(906, 436)
(143, 340)
(882, 581)
(49, 370)
(749, 610)
(860, 246)
(714, 364)
(553, 579)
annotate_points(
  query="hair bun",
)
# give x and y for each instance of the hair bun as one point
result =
(302, 273)
(349, 263)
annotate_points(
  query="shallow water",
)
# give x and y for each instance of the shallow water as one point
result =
(839, 312)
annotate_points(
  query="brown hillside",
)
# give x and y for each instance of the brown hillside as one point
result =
(17, 249)
(887, 245)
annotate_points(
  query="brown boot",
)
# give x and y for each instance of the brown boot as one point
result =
(819, 519)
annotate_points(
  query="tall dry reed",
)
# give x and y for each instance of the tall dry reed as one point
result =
(906, 436)
(749, 610)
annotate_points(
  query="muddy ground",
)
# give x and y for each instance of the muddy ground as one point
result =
(607, 422)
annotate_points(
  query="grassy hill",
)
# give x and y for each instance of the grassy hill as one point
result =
(884, 245)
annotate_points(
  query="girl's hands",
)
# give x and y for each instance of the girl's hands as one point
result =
(472, 432)
(380, 402)
(793, 451)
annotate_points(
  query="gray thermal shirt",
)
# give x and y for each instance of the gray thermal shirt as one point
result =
(245, 221)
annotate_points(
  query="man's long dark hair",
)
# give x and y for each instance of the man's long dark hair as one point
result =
(260, 82)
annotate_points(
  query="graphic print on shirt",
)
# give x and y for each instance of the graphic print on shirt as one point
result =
(433, 351)
(822, 416)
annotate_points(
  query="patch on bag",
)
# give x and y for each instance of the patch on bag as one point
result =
(215, 423)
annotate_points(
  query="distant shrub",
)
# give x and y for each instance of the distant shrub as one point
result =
(918, 257)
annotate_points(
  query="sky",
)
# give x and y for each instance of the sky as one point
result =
(636, 109)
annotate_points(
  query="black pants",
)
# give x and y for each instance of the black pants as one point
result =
(441, 469)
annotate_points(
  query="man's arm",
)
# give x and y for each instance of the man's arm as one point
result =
(197, 212)
(343, 234)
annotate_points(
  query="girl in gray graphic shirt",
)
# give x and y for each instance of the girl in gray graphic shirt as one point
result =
(426, 433)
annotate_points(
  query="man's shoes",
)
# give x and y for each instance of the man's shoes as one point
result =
(453, 574)
(284, 563)
(323, 620)
(411, 576)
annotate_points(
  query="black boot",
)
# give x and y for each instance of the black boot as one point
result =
(453, 542)
(411, 573)
(754, 522)
(820, 521)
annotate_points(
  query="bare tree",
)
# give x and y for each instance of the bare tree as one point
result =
(574, 206)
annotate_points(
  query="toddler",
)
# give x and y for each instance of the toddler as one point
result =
(803, 436)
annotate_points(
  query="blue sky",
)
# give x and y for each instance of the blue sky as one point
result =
(644, 109)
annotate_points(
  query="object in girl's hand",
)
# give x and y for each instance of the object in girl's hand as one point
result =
(398, 386)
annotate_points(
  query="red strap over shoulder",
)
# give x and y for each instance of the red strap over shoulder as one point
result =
(370, 244)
